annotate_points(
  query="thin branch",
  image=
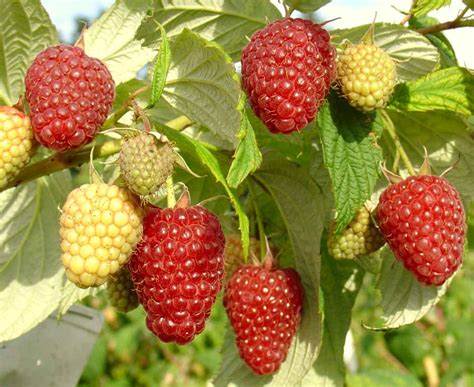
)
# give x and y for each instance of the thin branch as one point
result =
(456, 23)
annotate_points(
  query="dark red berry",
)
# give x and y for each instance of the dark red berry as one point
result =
(422, 219)
(70, 95)
(264, 308)
(287, 69)
(178, 269)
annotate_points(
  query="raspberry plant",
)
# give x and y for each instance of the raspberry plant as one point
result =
(295, 139)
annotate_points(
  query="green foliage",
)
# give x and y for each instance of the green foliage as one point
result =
(450, 89)
(422, 7)
(286, 187)
(120, 51)
(25, 29)
(351, 154)
(222, 21)
(202, 71)
(31, 275)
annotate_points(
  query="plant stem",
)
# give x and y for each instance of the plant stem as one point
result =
(456, 23)
(170, 197)
(258, 215)
(59, 161)
(398, 145)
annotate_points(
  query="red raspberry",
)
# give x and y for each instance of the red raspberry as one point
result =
(264, 308)
(178, 270)
(287, 69)
(422, 219)
(70, 95)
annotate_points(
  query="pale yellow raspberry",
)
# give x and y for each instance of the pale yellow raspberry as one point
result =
(367, 76)
(100, 226)
(16, 143)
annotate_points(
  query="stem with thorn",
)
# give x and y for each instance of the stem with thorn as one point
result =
(398, 145)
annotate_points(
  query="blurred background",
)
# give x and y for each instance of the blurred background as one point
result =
(438, 350)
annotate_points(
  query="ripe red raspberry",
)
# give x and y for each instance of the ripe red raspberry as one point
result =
(178, 270)
(422, 219)
(70, 95)
(264, 308)
(287, 69)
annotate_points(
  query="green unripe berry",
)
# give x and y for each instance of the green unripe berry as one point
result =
(121, 291)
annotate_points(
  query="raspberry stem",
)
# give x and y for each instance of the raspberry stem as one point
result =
(258, 215)
(170, 197)
(59, 161)
(398, 145)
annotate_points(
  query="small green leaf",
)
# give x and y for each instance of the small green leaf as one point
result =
(25, 30)
(422, 7)
(299, 200)
(111, 39)
(351, 153)
(414, 54)
(247, 157)
(448, 89)
(70, 294)
(31, 274)
(161, 69)
(210, 161)
(203, 85)
(379, 378)
(227, 22)
(306, 6)
(404, 299)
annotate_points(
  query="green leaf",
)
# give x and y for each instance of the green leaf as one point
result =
(111, 39)
(210, 161)
(404, 299)
(299, 201)
(247, 157)
(448, 89)
(351, 153)
(306, 6)
(203, 85)
(340, 282)
(161, 69)
(415, 56)
(226, 22)
(378, 378)
(422, 7)
(447, 139)
(31, 274)
(25, 30)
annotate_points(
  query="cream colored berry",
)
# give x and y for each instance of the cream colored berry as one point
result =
(100, 227)
(367, 76)
(361, 237)
(16, 143)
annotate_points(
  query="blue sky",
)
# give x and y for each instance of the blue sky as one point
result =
(351, 13)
